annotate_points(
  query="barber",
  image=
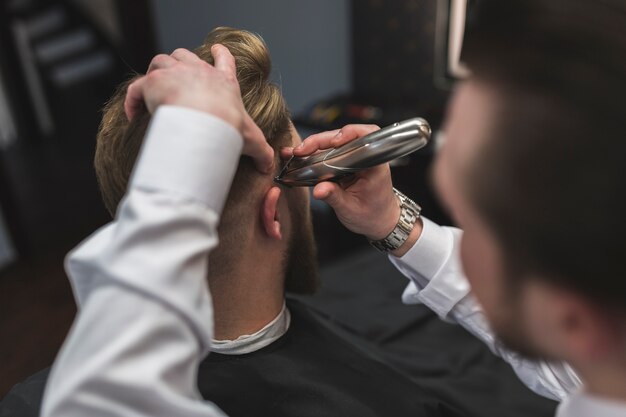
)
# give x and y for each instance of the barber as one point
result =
(532, 170)
(545, 276)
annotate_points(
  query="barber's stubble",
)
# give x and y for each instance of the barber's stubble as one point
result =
(495, 283)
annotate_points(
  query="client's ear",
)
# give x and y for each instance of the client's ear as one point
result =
(270, 217)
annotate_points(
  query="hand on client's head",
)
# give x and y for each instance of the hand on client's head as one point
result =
(183, 79)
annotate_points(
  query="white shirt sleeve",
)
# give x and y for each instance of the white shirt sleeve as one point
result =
(434, 268)
(145, 316)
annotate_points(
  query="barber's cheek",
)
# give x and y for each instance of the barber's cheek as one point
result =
(478, 268)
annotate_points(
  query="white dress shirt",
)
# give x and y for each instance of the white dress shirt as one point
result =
(145, 317)
(249, 343)
(434, 268)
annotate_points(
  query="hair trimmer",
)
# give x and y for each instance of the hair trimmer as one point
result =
(384, 145)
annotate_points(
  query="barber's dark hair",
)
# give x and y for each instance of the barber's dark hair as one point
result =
(551, 179)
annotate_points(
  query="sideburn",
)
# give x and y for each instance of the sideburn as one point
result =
(301, 266)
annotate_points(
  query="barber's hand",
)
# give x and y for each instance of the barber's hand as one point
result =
(365, 204)
(183, 79)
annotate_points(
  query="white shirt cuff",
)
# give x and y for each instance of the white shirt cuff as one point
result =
(433, 265)
(427, 255)
(178, 156)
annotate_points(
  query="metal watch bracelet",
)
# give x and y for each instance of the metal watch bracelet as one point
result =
(409, 214)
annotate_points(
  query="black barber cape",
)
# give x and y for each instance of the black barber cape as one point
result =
(315, 369)
(323, 368)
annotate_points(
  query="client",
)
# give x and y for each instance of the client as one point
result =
(269, 357)
(274, 356)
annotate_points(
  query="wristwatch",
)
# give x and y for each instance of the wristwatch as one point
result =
(409, 214)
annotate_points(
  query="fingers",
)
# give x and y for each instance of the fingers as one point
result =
(351, 132)
(256, 146)
(224, 60)
(184, 55)
(316, 142)
(331, 193)
(333, 138)
(161, 61)
(134, 101)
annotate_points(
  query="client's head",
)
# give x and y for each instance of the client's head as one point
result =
(262, 226)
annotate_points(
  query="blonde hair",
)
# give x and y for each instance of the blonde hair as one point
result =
(119, 140)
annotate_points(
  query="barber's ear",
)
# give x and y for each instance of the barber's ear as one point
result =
(270, 217)
(592, 330)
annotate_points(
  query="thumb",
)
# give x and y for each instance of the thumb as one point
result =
(331, 193)
(134, 101)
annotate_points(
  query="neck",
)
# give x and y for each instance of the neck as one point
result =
(246, 299)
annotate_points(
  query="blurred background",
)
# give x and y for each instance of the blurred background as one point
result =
(337, 61)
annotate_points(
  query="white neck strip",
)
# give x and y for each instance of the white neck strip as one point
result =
(252, 342)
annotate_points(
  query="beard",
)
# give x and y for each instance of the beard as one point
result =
(301, 266)
(511, 334)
